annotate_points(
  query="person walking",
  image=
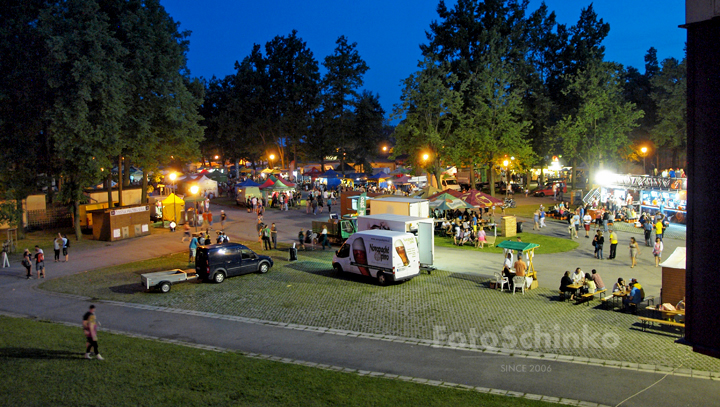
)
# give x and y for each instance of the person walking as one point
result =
(587, 220)
(193, 248)
(657, 251)
(574, 225)
(266, 237)
(39, 262)
(90, 330)
(659, 229)
(57, 245)
(599, 244)
(536, 219)
(27, 263)
(273, 235)
(222, 219)
(542, 218)
(301, 239)
(634, 252)
(186, 232)
(613, 244)
(324, 238)
(647, 228)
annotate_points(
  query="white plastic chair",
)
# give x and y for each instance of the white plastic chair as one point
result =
(501, 281)
(519, 282)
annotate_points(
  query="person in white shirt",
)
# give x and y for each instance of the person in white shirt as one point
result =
(587, 220)
(578, 276)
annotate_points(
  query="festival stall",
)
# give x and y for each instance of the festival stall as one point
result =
(173, 209)
(206, 186)
(528, 249)
(673, 277)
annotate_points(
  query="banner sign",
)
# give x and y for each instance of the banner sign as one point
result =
(646, 182)
(126, 211)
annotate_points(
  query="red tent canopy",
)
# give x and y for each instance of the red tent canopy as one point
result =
(456, 194)
(479, 199)
(267, 183)
(286, 182)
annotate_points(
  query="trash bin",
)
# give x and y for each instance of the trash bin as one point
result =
(519, 227)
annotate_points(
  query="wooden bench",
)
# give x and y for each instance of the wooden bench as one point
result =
(649, 321)
(589, 297)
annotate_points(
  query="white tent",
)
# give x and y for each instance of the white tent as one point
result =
(206, 185)
(673, 277)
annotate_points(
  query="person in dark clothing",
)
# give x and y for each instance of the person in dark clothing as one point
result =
(565, 282)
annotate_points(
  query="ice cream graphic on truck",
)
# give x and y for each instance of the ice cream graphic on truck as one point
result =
(382, 254)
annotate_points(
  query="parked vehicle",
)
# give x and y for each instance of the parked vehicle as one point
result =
(163, 280)
(449, 183)
(548, 189)
(508, 203)
(381, 254)
(216, 262)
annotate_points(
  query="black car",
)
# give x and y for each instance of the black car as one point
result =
(215, 262)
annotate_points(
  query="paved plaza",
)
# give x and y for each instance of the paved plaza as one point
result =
(452, 310)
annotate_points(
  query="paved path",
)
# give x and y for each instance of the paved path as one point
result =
(395, 356)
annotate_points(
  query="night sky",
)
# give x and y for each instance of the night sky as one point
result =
(388, 32)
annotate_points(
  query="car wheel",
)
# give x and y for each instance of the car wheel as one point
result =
(338, 267)
(165, 287)
(542, 194)
(219, 277)
(263, 268)
(381, 278)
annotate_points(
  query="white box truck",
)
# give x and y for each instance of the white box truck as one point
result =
(422, 228)
(385, 255)
(399, 206)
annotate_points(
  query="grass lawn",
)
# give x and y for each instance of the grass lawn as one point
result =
(548, 244)
(44, 239)
(41, 364)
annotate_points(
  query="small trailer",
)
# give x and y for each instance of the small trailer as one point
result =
(163, 280)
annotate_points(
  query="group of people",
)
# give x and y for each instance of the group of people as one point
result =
(589, 282)
(319, 198)
(465, 228)
(517, 268)
(60, 243)
(307, 237)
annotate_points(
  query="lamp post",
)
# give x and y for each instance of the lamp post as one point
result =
(173, 176)
(644, 150)
(194, 190)
(507, 184)
(272, 157)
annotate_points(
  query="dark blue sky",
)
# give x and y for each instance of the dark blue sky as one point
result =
(388, 32)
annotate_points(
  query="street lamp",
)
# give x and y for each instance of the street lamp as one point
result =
(194, 190)
(173, 176)
(644, 150)
(272, 157)
(507, 183)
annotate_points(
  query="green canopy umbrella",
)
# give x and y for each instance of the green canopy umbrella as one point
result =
(449, 203)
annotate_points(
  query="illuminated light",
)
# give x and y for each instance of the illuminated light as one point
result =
(272, 156)
(604, 178)
(384, 148)
(426, 156)
(512, 158)
(194, 189)
(216, 157)
(505, 163)
(173, 176)
(644, 150)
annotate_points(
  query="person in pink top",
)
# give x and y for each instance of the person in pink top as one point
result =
(90, 331)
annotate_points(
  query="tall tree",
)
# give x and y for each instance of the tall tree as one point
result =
(367, 129)
(670, 95)
(597, 131)
(428, 108)
(86, 69)
(345, 70)
(24, 100)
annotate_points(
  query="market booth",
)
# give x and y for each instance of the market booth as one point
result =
(173, 208)
(528, 249)
(673, 277)
(121, 223)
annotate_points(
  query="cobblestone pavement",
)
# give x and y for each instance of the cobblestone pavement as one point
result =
(452, 308)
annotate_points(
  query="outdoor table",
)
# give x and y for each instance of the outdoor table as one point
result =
(575, 287)
(619, 294)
